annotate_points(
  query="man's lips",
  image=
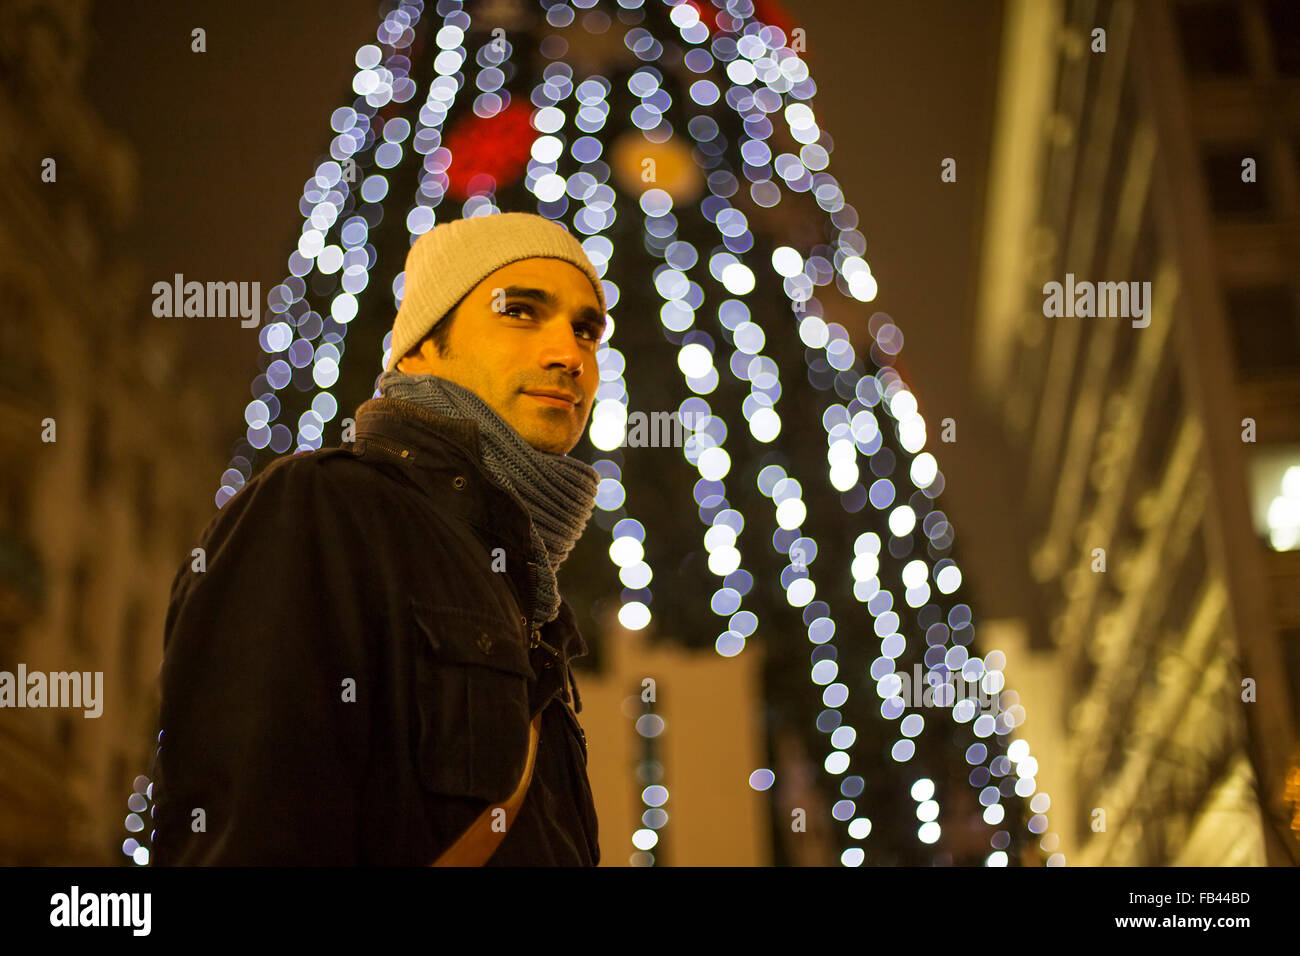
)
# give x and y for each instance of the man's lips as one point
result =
(556, 399)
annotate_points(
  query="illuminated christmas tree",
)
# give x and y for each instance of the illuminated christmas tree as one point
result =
(679, 143)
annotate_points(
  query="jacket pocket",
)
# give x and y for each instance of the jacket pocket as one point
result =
(472, 675)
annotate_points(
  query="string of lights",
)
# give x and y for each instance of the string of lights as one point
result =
(140, 800)
(763, 374)
(299, 345)
(764, 51)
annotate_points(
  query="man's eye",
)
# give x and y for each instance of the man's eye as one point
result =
(510, 309)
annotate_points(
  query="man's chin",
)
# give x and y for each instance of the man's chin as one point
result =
(545, 439)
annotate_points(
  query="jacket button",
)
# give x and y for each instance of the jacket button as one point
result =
(458, 482)
(485, 644)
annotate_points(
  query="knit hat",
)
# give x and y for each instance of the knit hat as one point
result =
(453, 257)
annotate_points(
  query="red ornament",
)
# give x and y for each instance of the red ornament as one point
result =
(498, 146)
(774, 14)
(770, 12)
(708, 13)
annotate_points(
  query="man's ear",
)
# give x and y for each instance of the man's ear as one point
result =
(410, 361)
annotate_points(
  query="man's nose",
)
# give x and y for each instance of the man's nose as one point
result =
(562, 347)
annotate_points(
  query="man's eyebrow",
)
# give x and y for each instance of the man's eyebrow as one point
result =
(544, 296)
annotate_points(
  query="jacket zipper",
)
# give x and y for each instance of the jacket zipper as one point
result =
(573, 719)
(398, 450)
(535, 640)
(532, 594)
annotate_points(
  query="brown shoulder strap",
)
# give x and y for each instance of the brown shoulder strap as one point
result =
(479, 841)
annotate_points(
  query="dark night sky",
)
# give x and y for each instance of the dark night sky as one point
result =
(226, 138)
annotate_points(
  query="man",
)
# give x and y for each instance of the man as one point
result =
(352, 674)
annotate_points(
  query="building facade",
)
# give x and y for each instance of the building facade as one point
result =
(105, 441)
(674, 736)
(1139, 338)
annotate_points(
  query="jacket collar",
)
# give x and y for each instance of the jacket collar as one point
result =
(436, 451)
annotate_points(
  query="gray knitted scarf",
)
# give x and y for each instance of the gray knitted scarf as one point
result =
(557, 492)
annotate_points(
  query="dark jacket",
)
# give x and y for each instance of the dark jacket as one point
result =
(349, 682)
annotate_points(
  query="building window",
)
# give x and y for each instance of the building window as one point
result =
(1275, 495)
(1210, 35)
(1230, 198)
(1265, 328)
(1284, 31)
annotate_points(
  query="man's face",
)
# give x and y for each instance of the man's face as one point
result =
(530, 327)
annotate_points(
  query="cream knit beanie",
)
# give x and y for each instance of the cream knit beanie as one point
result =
(452, 258)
